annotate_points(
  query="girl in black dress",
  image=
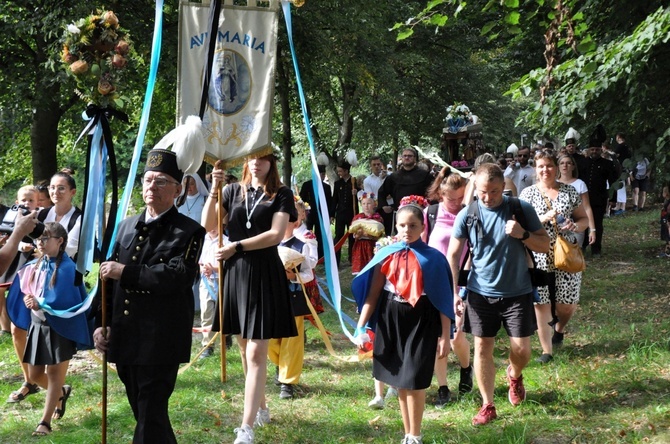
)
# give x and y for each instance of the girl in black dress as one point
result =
(256, 300)
(405, 291)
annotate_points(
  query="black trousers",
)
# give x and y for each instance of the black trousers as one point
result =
(341, 228)
(149, 388)
(598, 216)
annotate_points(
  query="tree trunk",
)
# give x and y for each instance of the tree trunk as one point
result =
(44, 137)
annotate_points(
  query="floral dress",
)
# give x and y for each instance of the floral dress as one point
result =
(568, 199)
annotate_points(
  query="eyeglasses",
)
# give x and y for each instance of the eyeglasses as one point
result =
(57, 189)
(43, 239)
(523, 155)
(160, 182)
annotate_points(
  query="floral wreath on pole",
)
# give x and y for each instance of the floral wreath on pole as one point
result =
(97, 52)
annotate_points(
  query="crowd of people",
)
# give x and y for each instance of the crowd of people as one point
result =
(479, 246)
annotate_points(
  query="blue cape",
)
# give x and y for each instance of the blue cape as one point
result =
(61, 297)
(437, 283)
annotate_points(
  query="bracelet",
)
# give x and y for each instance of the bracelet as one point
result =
(214, 196)
(592, 229)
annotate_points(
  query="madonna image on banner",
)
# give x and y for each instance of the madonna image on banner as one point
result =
(230, 88)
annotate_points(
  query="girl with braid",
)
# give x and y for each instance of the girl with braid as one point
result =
(44, 300)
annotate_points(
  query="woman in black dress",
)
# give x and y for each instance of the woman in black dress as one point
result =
(256, 300)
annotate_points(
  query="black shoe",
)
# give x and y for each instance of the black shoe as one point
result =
(209, 351)
(545, 358)
(286, 391)
(465, 384)
(557, 339)
(443, 396)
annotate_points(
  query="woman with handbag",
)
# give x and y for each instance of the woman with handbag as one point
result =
(560, 210)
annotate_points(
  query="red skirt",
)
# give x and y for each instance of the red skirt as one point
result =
(362, 253)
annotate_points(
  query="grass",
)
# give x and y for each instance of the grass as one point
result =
(609, 383)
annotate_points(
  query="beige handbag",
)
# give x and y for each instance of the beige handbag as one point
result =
(567, 256)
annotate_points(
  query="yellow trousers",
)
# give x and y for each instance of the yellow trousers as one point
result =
(288, 354)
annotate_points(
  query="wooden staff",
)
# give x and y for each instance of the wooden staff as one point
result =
(104, 363)
(219, 194)
(354, 195)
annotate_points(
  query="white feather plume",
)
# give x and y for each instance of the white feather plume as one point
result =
(351, 158)
(513, 149)
(572, 134)
(187, 143)
(322, 159)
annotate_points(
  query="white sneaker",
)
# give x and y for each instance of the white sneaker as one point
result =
(391, 393)
(262, 417)
(410, 439)
(377, 403)
(245, 435)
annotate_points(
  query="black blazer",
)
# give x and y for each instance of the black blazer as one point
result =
(150, 309)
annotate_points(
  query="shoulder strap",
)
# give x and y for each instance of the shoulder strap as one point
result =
(73, 219)
(432, 217)
(517, 211)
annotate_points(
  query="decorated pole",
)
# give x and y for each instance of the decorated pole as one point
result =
(97, 53)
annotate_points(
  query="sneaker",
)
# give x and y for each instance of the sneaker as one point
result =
(485, 415)
(443, 396)
(391, 393)
(544, 358)
(287, 391)
(411, 439)
(619, 212)
(517, 392)
(377, 403)
(262, 417)
(245, 435)
(634, 207)
(209, 351)
(465, 384)
(557, 339)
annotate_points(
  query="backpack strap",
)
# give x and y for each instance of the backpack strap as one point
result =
(431, 212)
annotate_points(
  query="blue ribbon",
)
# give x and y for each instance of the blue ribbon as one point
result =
(144, 121)
(333, 278)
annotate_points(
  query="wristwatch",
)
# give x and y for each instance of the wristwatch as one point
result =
(525, 236)
(238, 247)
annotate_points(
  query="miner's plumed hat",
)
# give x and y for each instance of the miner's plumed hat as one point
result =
(598, 136)
(188, 150)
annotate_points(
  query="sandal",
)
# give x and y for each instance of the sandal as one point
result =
(60, 412)
(18, 395)
(44, 424)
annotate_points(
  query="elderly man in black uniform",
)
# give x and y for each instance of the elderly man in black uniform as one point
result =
(597, 172)
(151, 307)
(407, 181)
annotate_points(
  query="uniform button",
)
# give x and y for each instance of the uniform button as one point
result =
(145, 229)
(161, 259)
(126, 312)
(134, 258)
(138, 248)
(127, 302)
(141, 238)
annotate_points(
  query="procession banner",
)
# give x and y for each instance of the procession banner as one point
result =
(237, 120)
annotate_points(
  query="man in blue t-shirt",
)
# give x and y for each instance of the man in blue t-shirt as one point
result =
(499, 287)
